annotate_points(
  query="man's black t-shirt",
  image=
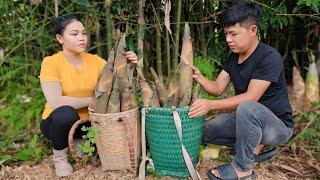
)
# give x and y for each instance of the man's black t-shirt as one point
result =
(265, 63)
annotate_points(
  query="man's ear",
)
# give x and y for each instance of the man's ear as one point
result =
(59, 38)
(254, 30)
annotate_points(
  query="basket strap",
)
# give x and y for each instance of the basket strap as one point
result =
(70, 138)
(193, 172)
(129, 137)
(142, 168)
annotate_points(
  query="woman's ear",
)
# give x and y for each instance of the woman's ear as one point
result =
(59, 38)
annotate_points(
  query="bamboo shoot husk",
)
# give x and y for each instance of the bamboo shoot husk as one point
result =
(155, 99)
(120, 64)
(146, 92)
(114, 101)
(104, 86)
(186, 62)
(133, 99)
(196, 93)
(161, 89)
(312, 82)
(172, 96)
(298, 90)
(125, 99)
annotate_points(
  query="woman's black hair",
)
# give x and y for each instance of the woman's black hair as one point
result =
(244, 13)
(62, 21)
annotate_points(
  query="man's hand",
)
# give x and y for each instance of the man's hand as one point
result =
(196, 74)
(200, 107)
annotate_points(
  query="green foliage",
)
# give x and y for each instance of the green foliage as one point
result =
(310, 138)
(88, 146)
(271, 21)
(313, 4)
(209, 68)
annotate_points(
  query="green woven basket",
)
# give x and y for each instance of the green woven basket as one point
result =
(163, 140)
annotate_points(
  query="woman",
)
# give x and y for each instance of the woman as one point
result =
(68, 79)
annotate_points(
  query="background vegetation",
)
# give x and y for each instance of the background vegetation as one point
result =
(26, 38)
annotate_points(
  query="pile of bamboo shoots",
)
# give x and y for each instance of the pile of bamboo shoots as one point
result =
(179, 91)
(114, 92)
(305, 93)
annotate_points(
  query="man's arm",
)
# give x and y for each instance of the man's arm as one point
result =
(215, 87)
(256, 89)
(53, 93)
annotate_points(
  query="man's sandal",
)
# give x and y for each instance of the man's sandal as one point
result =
(228, 172)
(265, 155)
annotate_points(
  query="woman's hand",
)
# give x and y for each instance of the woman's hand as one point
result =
(132, 58)
(91, 105)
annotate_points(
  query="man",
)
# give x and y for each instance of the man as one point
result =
(263, 114)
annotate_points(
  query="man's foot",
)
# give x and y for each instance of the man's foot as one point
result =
(259, 149)
(239, 173)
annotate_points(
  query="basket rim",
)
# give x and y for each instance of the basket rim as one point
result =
(108, 114)
(167, 108)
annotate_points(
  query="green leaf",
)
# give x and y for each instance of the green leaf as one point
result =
(5, 159)
(23, 155)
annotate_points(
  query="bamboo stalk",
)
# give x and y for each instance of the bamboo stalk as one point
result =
(177, 36)
(141, 23)
(202, 32)
(168, 56)
(158, 38)
(98, 38)
(108, 25)
(56, 8)
(186, 61)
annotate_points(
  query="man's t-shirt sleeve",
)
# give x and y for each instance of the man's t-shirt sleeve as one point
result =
(269, 68)
(226, 65)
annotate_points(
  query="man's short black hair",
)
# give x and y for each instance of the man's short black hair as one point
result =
(245, 13)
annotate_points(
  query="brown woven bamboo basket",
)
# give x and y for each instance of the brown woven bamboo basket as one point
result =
(118, 142)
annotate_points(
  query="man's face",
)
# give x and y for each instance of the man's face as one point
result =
(239, 38)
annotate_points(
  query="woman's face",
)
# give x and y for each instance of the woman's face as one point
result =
(74, 38)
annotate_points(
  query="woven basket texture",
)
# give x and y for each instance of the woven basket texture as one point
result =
(163, 140)
(119, 139)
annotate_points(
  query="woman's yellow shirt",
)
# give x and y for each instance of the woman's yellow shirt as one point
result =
(75, 82)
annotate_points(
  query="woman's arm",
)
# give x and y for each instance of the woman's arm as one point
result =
(53, 94)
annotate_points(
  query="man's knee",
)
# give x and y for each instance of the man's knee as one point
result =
(246, 107)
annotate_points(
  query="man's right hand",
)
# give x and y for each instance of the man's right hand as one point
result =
(196, 74)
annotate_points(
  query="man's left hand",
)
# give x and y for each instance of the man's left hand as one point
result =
(200, 107)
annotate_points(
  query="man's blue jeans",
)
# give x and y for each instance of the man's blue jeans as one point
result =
(251, 125)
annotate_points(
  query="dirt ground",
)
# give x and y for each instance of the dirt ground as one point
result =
(284, 166)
